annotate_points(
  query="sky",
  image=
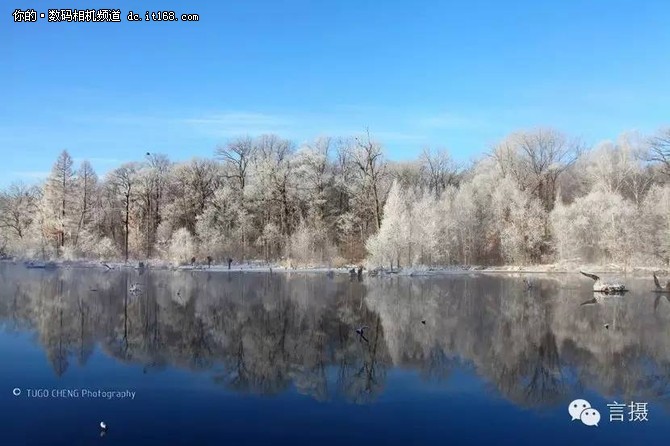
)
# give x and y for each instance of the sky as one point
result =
(453, 74)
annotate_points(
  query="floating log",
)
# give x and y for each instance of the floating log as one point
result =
(601, 286)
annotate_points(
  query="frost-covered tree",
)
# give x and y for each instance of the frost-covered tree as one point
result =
(659, 151)
(475, 229)
(192, 186)
(445, 212)
(440, 170)
(152, 199)
(308, 245)
(124, 183)
(519, 220)
(271, 241)
(163, 237)
(391, 243)
(655, 224)
(182, 247)
(350, 230)
(91, 245)
(371, 169)
(409, 174)
(237, 156)
(315, 177)
(271, 195)
(59, 198)
(343, 177)
(535, 160)
(599, 227)
(144, 237)
(336, 201)
(18, 205)
(86, 189)
(155, 196)
(618, 168)
(215, 226)
(469, 228)
(280, 171)
(426, 221)
(43, 233)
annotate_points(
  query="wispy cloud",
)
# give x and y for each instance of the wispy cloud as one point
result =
(389, 125)
(30, 174)
(448, 121)
(124, 119)
(241, 119)
(301, 126)
(97, 160)
(397, 137)
(228, 124)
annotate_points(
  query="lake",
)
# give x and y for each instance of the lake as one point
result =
(254, 358)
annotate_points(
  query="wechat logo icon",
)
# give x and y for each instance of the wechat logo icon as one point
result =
(582, 410)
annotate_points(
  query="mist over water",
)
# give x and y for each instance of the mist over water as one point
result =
(254, 357)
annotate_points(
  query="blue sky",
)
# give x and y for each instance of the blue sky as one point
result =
(454, 74)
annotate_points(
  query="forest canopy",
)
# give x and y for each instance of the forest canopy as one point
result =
(536, 197)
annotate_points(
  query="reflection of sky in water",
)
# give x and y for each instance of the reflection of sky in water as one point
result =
(492, 364)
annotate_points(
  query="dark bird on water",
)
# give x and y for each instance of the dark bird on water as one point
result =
(607, 326)
(361, 333)
(423, 322)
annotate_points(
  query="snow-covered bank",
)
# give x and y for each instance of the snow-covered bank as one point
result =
(576, 268)
(251, 266)
(419, 271)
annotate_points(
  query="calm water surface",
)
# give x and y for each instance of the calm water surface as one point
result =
(253, 358)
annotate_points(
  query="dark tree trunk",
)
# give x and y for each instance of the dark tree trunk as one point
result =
(126, 223)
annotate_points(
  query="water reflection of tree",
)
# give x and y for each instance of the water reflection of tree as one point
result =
(267, 333)
(630, 360)
(520, 340)
(86, 340)
(362, 374)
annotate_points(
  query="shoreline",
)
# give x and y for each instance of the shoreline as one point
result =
(421, 271)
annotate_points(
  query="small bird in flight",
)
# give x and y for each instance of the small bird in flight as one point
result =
(361, 333)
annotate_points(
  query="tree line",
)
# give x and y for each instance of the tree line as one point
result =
(537, 196)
